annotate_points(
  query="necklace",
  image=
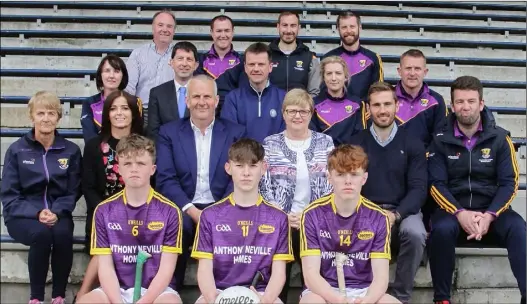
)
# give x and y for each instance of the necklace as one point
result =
(297, 144)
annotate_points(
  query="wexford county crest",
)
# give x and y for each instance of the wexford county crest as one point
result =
(362, 63)
(485, 153)
(232, 61)
(299, 63)
(424, 102)
(348, 108)
(63, 163)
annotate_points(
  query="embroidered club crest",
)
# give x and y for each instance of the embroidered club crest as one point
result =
(63, 163)
(362, 63)
(485, 153)
(424, 102)
(299, 63)
(232, 61)
(348, 109)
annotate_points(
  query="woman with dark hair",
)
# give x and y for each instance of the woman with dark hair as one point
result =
(121, 116)
(111, 76)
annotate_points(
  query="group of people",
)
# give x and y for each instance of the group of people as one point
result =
(248, 162)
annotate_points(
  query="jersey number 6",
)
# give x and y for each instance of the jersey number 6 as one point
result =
(135, 230)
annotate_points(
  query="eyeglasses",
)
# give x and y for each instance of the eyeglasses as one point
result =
(292, 113)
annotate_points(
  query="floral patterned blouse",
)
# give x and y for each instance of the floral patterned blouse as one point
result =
(114, 181)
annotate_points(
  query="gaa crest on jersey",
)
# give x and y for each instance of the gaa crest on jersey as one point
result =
(273, 113)
(349, 109)
(424, 102)
(232, 61)
(485, 153)
(63, 163)
(362, 63)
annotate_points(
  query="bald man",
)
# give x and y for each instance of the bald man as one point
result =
(191, 154)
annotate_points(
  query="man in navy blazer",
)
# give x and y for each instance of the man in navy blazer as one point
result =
(191, 155)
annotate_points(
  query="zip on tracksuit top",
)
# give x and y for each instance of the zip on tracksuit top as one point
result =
(259, 112)
(484, 178)
(35, 179)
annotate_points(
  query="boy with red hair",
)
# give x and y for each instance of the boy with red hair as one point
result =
(345, 222)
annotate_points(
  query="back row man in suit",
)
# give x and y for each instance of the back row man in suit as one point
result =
(192, 153)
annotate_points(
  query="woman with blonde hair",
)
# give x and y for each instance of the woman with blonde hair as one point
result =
(296, 160)
(40, 187)
(337, 114)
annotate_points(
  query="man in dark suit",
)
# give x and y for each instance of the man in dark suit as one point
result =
(191, 155)
(167, 101)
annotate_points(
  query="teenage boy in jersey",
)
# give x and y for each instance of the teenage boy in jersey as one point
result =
(346, 222)
(136, 218)
(474, 175)
(397, 183)
(243, 234)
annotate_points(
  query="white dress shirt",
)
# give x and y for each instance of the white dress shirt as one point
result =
(203, 147)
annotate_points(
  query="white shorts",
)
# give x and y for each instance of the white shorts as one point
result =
(128, 295)
(351, 293)
(260, 292)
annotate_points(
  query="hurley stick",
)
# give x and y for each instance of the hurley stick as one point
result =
(142, 256)
(340, 259)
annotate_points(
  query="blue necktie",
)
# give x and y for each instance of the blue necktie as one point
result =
(181, 106)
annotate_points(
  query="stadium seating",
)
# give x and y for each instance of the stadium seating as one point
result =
(57, 46)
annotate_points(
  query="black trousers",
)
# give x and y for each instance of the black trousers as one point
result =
(44, 241)
(295, 239)
(189, 230)
(507, 231)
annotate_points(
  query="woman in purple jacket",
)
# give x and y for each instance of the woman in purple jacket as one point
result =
(111, 76)
(40, 188)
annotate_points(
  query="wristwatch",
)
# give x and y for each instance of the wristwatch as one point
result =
(398, 217)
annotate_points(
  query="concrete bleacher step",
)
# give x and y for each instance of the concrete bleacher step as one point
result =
(481, 276)
(386, 33)
(436, 71)
(255, 12)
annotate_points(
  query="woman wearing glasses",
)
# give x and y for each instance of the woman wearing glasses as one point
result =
(296, 159)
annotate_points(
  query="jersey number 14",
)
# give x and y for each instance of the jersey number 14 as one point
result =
(345, 240)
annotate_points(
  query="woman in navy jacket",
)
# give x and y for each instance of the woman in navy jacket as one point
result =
(112, 76)
(121, 116)
(40, 188)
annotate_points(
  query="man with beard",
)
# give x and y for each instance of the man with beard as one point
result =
(422, 110)
(294, 65)
(167, 101)
(148, 65)
(474, 175)
(191, 154)
(222, 55)
(397, 183)
(363, 64)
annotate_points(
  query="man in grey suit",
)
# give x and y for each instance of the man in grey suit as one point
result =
(167, 101)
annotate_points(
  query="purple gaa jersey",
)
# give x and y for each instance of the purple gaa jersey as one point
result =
(121, 230)
(363, 236)
(242, 241)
